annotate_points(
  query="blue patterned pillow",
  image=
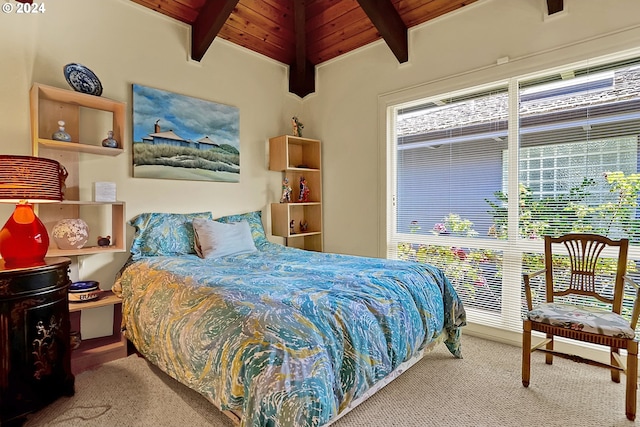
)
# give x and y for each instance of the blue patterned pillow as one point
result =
(164, 234)
(255, 222)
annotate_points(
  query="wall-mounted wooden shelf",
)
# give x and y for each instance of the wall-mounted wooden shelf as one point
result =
(50, 213)
(81, 148)
(105, 298)
(51, 104)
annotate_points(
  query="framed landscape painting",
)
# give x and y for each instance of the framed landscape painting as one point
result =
(180, 137)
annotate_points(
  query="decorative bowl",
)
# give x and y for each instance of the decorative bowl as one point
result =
(84, 291)
(84, 286)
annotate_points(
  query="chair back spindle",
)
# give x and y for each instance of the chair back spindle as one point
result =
(584, 257)
(584, 253)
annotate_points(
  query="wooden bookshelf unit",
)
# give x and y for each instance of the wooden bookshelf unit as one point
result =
(298, 157)
(88, 119)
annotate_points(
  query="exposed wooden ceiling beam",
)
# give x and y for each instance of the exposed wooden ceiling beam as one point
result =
(301, 71)
(210, 20)
(300, 23)
(389, 24)
(555, 6)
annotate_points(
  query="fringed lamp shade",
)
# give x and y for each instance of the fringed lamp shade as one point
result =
(25, 180)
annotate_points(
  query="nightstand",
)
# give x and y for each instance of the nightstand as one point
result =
(35, 354)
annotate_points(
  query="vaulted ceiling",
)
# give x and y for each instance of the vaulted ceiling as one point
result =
(305, 33)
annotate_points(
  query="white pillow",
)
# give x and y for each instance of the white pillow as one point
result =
(214, 239)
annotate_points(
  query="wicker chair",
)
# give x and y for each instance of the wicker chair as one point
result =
(577, 321)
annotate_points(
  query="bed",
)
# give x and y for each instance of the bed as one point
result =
(271, 335)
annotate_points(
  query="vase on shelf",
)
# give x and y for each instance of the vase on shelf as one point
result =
(109, 141)
(61, 134)
(70, 233)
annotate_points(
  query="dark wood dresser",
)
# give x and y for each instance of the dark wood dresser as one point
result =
(35, 353)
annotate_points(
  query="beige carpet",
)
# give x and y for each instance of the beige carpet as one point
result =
(483, 389)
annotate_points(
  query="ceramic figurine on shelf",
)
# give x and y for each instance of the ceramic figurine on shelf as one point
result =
(304, 226)
(109, 141)
(104, 241)
(297, 126)
(304, 190)
(292, 226)
(60, 134)
(286, 191)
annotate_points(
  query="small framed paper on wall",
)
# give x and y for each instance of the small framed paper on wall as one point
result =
(104, 191)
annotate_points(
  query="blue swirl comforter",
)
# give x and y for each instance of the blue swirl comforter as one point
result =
(283, 336)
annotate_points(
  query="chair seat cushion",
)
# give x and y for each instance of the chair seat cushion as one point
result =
(584, 319)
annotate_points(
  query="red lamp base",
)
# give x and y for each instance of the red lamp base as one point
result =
(23, 239)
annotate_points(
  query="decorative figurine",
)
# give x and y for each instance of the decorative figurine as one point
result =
(75, 338)
(109, 141)
(304, 190)
(304, 226)
(297, 126)
(104, 241)
(61, 135)
(286, 191)
(292, 226)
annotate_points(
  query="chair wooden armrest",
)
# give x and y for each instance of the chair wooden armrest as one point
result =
(635, 312)
(527, 286)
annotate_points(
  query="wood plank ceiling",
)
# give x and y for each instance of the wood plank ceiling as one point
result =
(305, 33)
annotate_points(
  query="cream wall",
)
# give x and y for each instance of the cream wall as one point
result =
(124, 43)
(457, 51)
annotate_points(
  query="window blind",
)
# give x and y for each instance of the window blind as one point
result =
(565, 143)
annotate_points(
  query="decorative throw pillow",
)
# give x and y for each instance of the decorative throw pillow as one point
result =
(216, 239)
(255, 222)
(164, 234)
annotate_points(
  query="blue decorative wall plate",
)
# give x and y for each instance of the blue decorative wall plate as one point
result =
(82, 79)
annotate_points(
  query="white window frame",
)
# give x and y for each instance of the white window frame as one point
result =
(513, 248)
